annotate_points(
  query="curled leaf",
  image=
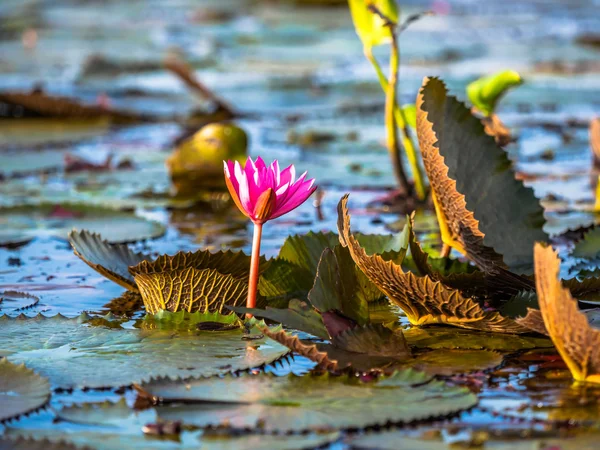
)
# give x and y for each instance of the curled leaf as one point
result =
(370, 27)
(576, 341)
(110, 260)
(482, 210)
(21, 390)
(199, 281)
(308, 351)
(485, 92)
(14, 301)
(424, 300)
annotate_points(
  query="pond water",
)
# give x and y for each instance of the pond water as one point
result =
(307, 96)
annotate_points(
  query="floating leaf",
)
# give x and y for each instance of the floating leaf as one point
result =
(183, 320)
(73, 354)
(451, 338)
(21, 390)
(12, 301)
(485, 92)
(32, 444)
(588, 247)
(323, 402)
(114, 426)
(199, 281)
(482, 210)
(373, 340)
(37, 103)
(576, 341)
(424, 300)
(451, 362)
(110, 260)
(370, 27)
(299, 315)
(58, 220)
(25, 133)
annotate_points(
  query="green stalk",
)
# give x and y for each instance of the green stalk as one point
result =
(391, 127)
(407, 143)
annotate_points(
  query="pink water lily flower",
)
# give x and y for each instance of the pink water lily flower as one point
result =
(264, 192)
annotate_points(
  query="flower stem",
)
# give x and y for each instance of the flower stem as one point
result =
(254, 266)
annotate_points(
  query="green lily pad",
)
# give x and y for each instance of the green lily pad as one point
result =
(21, 390)
(13, 301)
(451, 362)
(588, 247)
(452, 338)
(312, 402)
(114, 426)
(73, 354)
(299, 315)
(184, 320)
(58, 220)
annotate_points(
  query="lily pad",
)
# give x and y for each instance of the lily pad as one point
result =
(13, 301)
(21, 390)
(588, 247)
(183, 320)
(73, 354)
(299, 315)
(312, 402)
(114, 426)
(58, 220)
(451, 338)
(451, 362)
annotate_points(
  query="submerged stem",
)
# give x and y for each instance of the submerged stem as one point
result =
(254, 266)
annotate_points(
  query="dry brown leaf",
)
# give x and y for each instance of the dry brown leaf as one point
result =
(494, 127)
(308, 351)
(200, 281)
(534, 321)
(424, 300)
(576, 341)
